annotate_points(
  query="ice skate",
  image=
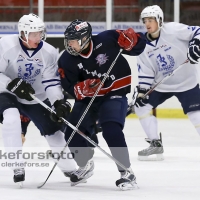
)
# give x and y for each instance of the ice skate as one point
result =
(66, 174)
(127, 181)
(153, 153)
(82, 174)
(19, 176)
(69, 174)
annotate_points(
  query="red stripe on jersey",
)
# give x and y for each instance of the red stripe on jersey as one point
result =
(116, 85)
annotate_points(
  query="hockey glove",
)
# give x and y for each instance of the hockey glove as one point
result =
(138, 101)
(62, 109)
(21, 89)
(194, 51)
(86, 88)
(24, 119)
(130, 109)
(127, 39)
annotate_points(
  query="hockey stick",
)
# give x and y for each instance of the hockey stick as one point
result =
(80, 133)
(130, 108)
(83, 115)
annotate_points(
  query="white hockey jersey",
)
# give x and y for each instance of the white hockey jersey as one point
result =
(37, 67)
(164, 55)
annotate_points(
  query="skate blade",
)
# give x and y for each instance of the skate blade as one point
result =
(83, 180)
(20, 184)
(154, 157)
(128, 186)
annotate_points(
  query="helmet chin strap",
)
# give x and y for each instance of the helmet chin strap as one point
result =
(28, 46)
(159, 28)
(25, 41)
(156, 32)
(83, 45)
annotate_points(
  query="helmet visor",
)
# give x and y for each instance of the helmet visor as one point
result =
(37, 36)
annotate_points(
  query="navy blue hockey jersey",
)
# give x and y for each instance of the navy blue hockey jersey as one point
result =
(104, 49)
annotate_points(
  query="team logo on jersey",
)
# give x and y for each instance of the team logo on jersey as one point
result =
(101, 59)
(165, 63)
(29, 74)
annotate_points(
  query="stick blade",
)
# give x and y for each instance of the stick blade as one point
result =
(40, 186)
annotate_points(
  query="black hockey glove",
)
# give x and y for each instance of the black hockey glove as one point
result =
(130, 109)
(62, 109)
(194, 51)
(21, 89)
(138, 101)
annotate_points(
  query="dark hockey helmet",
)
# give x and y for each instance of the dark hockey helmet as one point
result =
(78, 30)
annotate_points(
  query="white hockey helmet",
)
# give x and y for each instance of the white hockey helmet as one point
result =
(31, 23)
(153, 11)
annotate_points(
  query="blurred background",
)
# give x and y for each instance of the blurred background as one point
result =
(105, 13)
(102, 14)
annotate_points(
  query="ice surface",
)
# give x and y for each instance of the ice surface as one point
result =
(177, 177)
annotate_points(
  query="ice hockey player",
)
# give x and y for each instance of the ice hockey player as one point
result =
(168, 46)
(29, 65)
(82, 66)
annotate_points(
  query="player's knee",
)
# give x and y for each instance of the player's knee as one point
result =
(143, 112)
(11, 116)
(194, 117)
(111, 130)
